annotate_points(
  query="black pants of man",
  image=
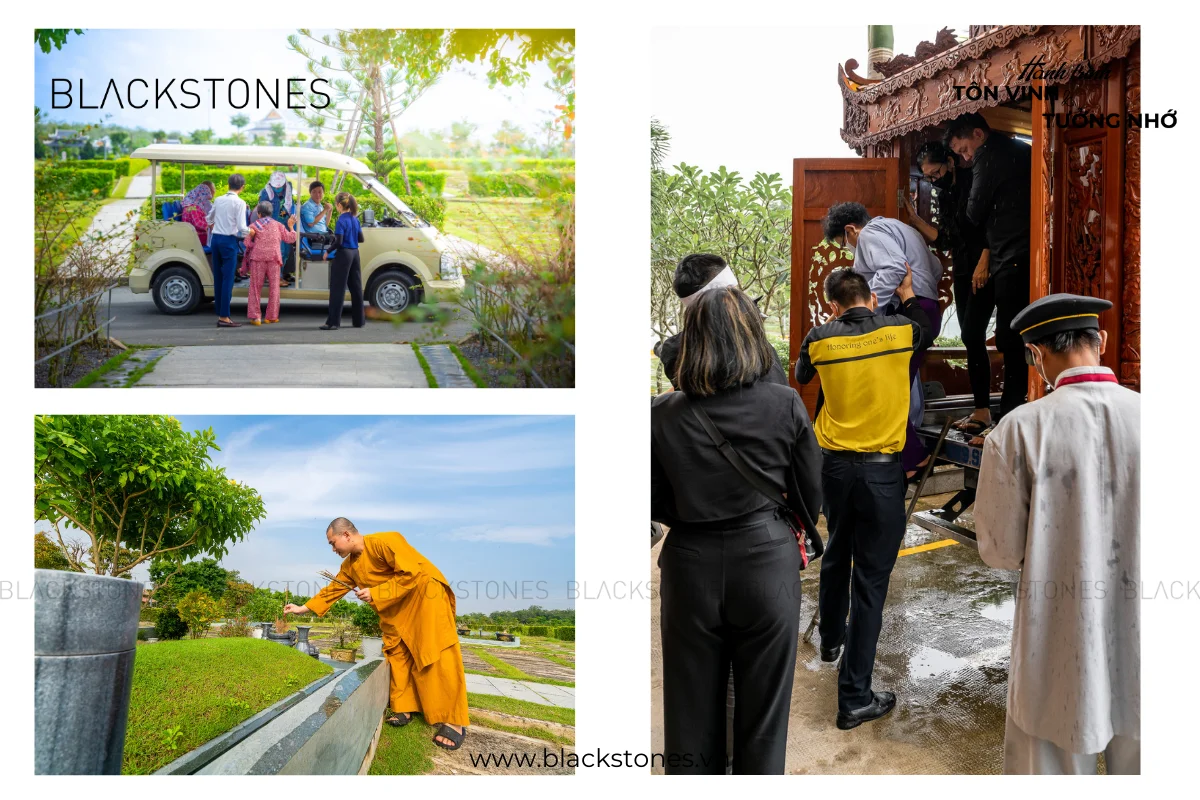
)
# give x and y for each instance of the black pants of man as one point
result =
(729, 597)
(1011, 281)
(974, 312)
(345, 273)
(864, 506)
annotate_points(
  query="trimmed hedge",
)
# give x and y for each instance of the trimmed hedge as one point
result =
(256, 179)
(118, 165)
(428, 183)
(537, 630)
(83, 183)
(430, 209)
(565, 634)
(520, 183)
(489, 164)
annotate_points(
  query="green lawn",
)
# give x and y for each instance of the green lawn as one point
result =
(521, 708)
(502, 224)
(405, 751)
(187, 692)
(507, 670)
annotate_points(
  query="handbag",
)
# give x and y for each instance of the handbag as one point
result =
(807, 539)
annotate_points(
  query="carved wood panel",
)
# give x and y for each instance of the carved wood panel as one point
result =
(924, 95)
(1089, 207)
(1130, 373)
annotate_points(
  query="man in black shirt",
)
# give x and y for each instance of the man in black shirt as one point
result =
(974, 299)
(999, 203)
(697, 273)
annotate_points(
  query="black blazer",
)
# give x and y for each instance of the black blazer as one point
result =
(691, 482)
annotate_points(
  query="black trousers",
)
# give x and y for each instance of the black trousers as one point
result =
(1012, 295)
(865, 512)
(345, 273)
(729, 597)
(974, 311)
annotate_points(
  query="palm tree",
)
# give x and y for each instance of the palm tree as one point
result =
(239, 121)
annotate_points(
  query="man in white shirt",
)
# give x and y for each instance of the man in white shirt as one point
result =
(227, 223)
(1058, 499)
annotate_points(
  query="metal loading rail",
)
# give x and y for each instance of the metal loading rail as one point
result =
(955, 449)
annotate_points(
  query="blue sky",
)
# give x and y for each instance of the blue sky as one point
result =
(489, 500)
(99, 55)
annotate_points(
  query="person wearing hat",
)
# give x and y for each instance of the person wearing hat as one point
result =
(1058, 499)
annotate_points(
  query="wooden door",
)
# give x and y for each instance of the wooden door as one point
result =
(1041, 209)
(817, 184)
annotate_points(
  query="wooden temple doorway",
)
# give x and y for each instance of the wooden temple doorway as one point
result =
(1085, 210)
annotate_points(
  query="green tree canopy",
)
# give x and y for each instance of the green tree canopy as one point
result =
(140, 484)
(198, 609)
(46, 38)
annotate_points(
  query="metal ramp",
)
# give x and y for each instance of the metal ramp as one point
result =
(955, 449)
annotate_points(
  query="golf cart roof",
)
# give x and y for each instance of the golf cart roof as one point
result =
(253, 155)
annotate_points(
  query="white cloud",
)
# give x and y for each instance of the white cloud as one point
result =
(511, 534)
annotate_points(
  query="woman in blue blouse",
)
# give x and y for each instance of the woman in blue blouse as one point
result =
(345, 271)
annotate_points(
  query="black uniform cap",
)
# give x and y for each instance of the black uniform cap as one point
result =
(1056, 313)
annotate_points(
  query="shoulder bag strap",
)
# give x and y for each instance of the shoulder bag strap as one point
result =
(734, 458)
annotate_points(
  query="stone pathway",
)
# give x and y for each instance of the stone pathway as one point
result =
(542, 693)
(289, 365)
(446, 369)
(115, 222)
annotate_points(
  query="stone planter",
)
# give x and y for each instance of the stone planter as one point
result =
(288, 637)
(505, 637)
(372, 647)
(85, 638)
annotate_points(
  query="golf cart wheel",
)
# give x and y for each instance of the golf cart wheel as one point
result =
(177, 290)
(392, 292)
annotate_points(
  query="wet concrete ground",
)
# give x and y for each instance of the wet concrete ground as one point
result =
(944, 651)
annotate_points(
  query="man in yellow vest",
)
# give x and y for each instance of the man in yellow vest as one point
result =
(416, 615)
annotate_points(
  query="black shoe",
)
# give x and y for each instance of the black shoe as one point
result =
(831, 655)
(329, 327)
(881, 705)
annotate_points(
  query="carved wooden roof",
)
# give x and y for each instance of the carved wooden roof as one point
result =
(924, 95)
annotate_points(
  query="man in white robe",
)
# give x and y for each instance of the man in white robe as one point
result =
(1058, 500)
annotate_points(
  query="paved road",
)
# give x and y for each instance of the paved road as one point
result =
(140, 322)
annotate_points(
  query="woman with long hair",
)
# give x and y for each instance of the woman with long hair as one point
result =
(730, 584)
(345, 271)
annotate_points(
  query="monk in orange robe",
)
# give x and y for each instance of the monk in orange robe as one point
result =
(416, 615)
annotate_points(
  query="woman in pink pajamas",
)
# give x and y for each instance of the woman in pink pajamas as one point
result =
(262, 254)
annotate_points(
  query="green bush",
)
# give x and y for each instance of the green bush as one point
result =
(430, 209)
(118, 165)
(136, 165)
(565, 634)
(520, 183)
(422, 183)
(366, 619)
(84, 183)
(537, 630)
(146, 633)
(170, 625)
(148, 614)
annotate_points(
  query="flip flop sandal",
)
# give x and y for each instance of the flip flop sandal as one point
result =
(446, 732)
(223, 324)
(399, 720)
(971, 426)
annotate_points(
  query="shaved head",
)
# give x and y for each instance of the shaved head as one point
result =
(341, 525)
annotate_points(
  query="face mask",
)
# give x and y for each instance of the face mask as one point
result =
(1033, 361)
(944, 182)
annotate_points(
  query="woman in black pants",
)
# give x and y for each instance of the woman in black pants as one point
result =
(730, 564)
(345, 271)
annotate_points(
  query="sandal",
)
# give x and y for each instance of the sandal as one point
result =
(398, 721)
(971, 426)
(223, 324)
(446, 732)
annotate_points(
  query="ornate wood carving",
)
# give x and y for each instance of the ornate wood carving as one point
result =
(1083, 226)
(923, 95)
(944, 40)
(1131, 284)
